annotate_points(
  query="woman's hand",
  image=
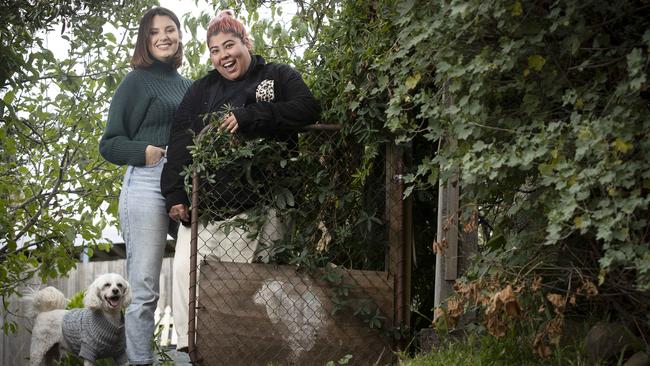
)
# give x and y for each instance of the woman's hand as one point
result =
(179, 212)
(153, 154)
(229, 123)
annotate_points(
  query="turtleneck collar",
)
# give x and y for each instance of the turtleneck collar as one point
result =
(162, 69)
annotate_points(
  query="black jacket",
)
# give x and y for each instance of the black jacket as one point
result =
(271, 100)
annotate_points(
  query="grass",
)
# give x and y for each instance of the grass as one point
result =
(511, 350)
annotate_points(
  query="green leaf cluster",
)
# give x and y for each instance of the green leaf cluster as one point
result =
(55, 189)
(542, 106)
(332, 218)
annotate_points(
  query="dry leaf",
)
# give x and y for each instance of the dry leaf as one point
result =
(494, 306)
(588, 289)
(513, 309)
(552, 333)
(540, 346)
(455, 307)
(519, 289)
(496, 326)
(472, 224)
(503, 303)
(437, 249)
(447, 223)
(469, 291)
(558, 302)
(537, 284)
(325, 238)
(554, 327)
(509, 300)
(483, 300)
(544, 351)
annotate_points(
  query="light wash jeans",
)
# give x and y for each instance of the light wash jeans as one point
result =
(144, 224)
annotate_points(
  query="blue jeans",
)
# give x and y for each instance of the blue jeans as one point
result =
(144, 224)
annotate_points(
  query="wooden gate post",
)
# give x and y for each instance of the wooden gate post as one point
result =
(454, 246)
(398, 215)
(447, 239)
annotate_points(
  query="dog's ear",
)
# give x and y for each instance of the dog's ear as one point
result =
(92, 299)
(127, 296)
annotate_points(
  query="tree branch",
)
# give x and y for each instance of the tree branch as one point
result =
(32, 221)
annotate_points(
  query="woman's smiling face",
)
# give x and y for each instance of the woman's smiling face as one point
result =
(230, 56)
(163, 38)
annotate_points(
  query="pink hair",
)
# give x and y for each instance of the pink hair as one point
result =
(225, 22)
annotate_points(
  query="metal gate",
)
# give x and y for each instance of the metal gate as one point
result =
(281, 273)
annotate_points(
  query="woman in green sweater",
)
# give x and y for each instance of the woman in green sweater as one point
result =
(139, 121)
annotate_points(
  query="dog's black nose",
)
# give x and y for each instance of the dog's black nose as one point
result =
(115, 291)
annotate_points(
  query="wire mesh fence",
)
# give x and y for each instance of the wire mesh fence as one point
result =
(297, 242)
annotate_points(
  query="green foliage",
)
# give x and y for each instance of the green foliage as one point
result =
(333, 219)
(474, 347)
(475, 350)
(542, 106)
(52, 180)
(548, 115)
(77, 300)
(162, 353)
(548, 106)
(343, 361)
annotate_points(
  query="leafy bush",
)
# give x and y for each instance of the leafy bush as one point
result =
(543, 107)
(333, 215)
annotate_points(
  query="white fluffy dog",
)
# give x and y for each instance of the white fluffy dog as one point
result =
(94, 332)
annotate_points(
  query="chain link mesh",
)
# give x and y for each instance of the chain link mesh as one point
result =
(292, 247)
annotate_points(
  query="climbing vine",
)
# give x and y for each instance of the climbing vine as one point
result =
(542, 106)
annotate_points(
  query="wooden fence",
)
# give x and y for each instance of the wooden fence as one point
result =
(165, 334)
(14, 348)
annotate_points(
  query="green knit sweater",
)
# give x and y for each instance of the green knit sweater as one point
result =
(141, 113)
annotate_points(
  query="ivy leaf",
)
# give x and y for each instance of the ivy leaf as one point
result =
(349, 87)
(412, 81)
(622, 146)
(516, 9)
(404, 7)
(536, 62)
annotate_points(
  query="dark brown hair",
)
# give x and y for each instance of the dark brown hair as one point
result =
(225, 22)
(141, 57)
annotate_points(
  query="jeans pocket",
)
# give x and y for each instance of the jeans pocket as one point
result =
(156, 163)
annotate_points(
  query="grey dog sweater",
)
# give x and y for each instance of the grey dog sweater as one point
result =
(92, 336)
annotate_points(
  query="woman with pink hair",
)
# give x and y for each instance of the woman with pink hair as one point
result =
(267, 100)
